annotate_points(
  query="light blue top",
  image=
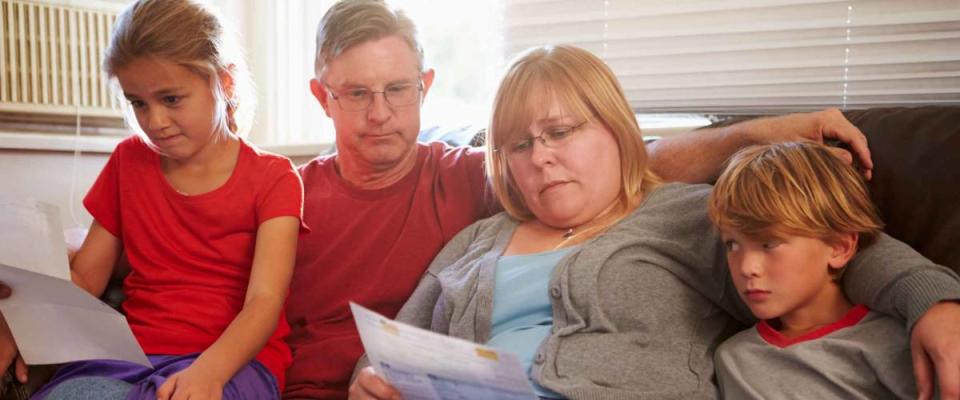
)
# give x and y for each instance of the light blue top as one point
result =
(522, 315)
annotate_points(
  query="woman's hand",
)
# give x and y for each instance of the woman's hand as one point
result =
(194, 383)
(935, 344)
(370, 386)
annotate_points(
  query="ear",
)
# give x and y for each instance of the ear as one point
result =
(843, 250)
(427, 78)
(227, 81)
(228, 85)
(320, 93)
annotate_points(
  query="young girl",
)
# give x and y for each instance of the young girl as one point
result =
(208, 222)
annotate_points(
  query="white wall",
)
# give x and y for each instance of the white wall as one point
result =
(47, 176)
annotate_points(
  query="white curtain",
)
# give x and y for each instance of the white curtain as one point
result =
(750, 56)
(280, 42)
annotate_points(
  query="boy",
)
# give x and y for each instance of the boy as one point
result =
(791, 215)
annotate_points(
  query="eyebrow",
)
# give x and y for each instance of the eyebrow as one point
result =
(349, 84)
(555, 119)
(158, 93)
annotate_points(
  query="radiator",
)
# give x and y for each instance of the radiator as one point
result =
(51, 53)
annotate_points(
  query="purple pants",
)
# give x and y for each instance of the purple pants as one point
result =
(253, 381)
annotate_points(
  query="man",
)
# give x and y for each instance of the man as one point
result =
(384, 205)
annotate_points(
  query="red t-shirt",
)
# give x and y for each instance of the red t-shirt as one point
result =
(191, 256)
(370, 247)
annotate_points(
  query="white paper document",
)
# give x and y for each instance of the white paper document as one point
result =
(425, 365)
(52, 320)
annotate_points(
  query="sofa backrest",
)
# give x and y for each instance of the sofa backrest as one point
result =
(916, 178)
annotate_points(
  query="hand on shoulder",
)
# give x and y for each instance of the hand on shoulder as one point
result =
(816, 126)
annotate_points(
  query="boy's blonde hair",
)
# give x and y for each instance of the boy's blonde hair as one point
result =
(190, 34)
(352, 22)
(586, 88)
(797, 188)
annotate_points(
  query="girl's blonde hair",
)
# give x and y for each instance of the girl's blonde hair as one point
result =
(586, 88)
(190, 34)
(797, 188)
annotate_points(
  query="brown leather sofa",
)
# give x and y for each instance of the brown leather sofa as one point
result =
(916, 186)
(916, 178)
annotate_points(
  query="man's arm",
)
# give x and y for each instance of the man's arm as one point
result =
(698, 156)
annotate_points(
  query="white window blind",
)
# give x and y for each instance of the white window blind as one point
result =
(750, 56)
(279, 37)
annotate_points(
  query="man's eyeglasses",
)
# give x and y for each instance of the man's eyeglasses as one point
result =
(552, 137)
(359, 99)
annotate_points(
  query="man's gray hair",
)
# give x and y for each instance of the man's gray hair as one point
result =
(352, 22)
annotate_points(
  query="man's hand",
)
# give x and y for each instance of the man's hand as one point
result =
(370, 386)
(935, 344)
(816, 126)
(698, 156)
(8, 347)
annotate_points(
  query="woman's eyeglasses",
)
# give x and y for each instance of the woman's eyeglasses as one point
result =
(553, 137)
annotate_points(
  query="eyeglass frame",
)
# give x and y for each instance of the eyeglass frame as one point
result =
(333, 95)
(531, 139)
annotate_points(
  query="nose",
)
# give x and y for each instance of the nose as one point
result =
(751, 264)
(157, 119)
(379, 110)
(540, 154)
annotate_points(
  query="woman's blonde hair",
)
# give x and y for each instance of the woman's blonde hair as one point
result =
(797, 188)
(190, 34)
(585, 87)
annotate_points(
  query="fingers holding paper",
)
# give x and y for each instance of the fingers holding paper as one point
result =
(369, 385)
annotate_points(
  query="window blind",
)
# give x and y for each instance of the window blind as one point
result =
(756, 56)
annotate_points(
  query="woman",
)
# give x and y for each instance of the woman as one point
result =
(606, 282)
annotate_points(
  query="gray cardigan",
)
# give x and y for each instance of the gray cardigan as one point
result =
(639, 310)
